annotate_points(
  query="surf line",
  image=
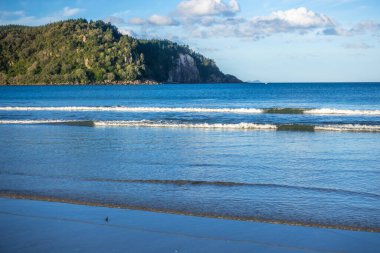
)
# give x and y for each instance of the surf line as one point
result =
(275, 110)
(224, 126)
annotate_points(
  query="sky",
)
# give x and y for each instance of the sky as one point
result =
(268, 40)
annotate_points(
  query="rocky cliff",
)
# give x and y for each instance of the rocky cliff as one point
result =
(185, 70)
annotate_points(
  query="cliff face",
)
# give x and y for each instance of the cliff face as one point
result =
(80, 52)
(166, 61)
(184, 70)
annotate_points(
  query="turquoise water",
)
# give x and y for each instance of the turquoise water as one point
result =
(289, 153)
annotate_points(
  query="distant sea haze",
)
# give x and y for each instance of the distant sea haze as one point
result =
(272, 153)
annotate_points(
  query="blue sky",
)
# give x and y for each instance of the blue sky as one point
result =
(269, 40)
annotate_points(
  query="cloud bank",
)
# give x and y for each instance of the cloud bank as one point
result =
(221, 18)
(213, 19)
(207, 8)
(154, 20)
(299, 20)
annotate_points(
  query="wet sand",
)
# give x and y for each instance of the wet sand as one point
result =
(39, 226)
(96, 203)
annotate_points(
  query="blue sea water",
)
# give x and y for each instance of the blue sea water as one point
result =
(292, 153)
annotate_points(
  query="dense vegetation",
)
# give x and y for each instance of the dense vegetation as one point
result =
(78, 51)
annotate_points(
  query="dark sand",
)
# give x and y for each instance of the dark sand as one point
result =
(38, 226)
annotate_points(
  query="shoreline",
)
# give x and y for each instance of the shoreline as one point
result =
(152, 83)
(133, 83)
(14, 195)
(137, 82)
(109, 84)
(40, 226)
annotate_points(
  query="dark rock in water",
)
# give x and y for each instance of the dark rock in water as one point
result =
(296, 127)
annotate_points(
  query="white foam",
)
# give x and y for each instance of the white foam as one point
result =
(332, 111)
(153, 124)
(146, 123)
(26, 122)
(135, 109)
(163, 124)
(349, 128)
(322, 111)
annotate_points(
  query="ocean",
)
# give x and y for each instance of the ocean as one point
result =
(303, 154)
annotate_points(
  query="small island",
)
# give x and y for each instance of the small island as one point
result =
(78, 51)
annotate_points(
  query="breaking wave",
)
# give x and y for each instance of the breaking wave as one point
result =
(321, 111)
(232, 126)
(135, 109)
(331, 111)
(30, 122)
(348, 128)
(163, 124)
(88, 123)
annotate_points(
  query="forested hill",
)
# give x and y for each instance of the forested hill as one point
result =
(81, 52)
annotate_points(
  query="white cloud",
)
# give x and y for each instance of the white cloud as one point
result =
(136, 21)
(300, 19)
(219, 18)
(68, 12)
(162, 20)
(154, 20)
(207, 8)
(208, 21)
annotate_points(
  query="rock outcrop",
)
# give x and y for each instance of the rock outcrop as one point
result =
(185, 70)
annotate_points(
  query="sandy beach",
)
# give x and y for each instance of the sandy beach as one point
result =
(39, 226)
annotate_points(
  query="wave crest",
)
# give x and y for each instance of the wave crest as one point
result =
(88, 123)
(321, 111)
(332, 111)
(162, 124)
(349, 128)
(135, 109)
(232, 126)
